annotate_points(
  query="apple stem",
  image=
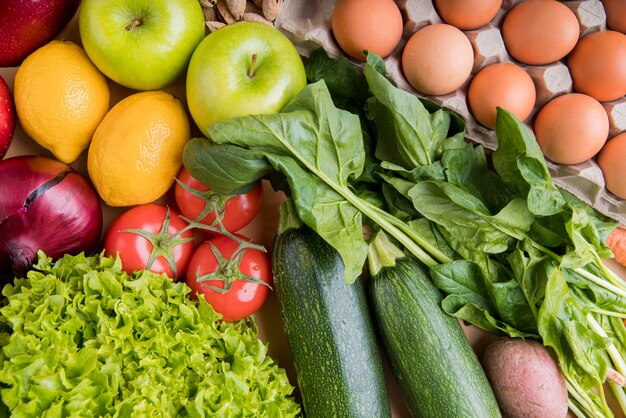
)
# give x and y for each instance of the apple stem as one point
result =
(252, 68)
(133, 24)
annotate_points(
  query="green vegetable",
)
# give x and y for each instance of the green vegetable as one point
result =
(82, 338)
(512, 252)
(330, 334)
(434, 364)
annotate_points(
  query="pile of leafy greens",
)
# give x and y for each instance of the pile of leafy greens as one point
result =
(513, 253)
(82, 338)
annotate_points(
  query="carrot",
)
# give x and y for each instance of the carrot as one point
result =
(617, 242)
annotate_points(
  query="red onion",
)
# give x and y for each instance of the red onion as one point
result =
(44, 205)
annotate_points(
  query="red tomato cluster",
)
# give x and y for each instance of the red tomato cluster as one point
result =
(233, 274)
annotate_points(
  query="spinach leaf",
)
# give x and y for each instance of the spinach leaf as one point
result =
(587, 228)
(466, 167)
(344, 80)
(225, 168)
(531, 269)
(397, 204)
(407, 134)
(434, 171)
(466, 222)
(470, 297)
(563, 326)
(319, 148)
(590, 295)
(327, 212)
(430, 232)
(520, 162)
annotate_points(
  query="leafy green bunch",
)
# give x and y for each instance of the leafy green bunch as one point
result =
(82, 338)
(513, 253)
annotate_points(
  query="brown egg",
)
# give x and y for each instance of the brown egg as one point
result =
(467, 15)
(615, 14)
(538, 32)
(373, 25)
(437, 59)
(503, 85)
(612, 161)
(571, 128)
(598, 65)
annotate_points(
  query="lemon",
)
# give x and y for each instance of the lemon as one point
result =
(137, 149)
(60, 98)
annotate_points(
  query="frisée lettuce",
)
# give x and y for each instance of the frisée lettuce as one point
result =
(82, 338)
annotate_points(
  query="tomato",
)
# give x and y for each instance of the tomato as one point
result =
(237, 210)
(149, 237)
(245, 295)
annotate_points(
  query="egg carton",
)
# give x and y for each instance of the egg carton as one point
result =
(308, 24)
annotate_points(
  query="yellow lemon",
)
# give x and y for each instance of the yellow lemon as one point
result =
(138, 147)
(60, 98)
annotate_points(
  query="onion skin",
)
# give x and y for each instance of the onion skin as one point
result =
(44, 205)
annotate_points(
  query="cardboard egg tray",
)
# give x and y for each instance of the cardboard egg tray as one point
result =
(307, 24)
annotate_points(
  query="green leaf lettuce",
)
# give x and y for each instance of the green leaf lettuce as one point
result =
(82, 338)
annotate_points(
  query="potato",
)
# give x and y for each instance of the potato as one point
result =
(526, 380)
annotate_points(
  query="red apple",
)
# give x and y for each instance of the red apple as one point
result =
(25, 25)
(7, 117)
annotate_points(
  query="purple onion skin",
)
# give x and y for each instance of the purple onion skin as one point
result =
(44, 205)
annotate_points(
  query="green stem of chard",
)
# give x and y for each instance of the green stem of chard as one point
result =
(403, 238)
(400, 231)
(423, 243)
(575, 410)
(618, 392)
(607, 284)
(574, 389)
(600, 281)
(616, 357)
(383, 221)
(608, 313)
(613, 277)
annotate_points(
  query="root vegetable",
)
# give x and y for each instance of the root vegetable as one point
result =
(525, 378)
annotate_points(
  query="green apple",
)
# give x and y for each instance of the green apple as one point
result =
(244, 68)
(141, 44)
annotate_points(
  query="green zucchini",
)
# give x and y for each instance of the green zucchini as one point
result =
(435, 366)
(330, 333)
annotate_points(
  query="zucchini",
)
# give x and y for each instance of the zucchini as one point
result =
(330, 333)
(435, 366)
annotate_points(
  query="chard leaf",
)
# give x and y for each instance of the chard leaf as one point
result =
(520, 162)
(319, 148)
